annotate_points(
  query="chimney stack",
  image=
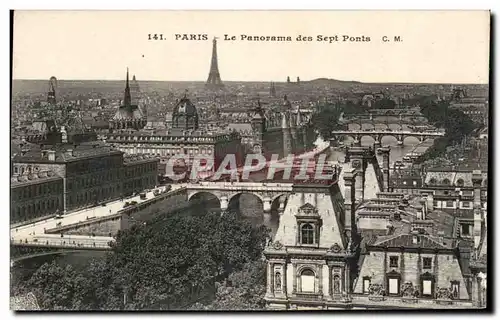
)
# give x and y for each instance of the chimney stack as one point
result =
(357, 157)
(477, 180)
(385, 151)
(51, 155)
(430, 201)
(349, 201)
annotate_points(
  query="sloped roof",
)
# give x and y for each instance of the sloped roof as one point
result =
(406, 241)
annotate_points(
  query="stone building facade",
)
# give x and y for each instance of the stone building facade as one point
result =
(314, 252)
(34, 195)
(91, 173)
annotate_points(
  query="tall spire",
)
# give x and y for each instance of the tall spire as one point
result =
(214, 80)
(126, 97)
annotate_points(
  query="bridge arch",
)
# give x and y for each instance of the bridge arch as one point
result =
(41, 254)
(204, 200)
(239, 193)
(412, 138)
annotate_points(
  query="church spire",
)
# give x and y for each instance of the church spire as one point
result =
(126, 97)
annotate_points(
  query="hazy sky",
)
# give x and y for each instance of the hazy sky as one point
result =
(437, 46)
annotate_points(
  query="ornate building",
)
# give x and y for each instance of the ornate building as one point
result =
(92, 173)
(185, 137)
(281, 132)
(128, 115)
(311, 261)
(185, 115)
(34, 194)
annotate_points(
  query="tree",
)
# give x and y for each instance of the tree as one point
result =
(56, 287)
(243, 290)
(456, 124)
(166, 264)
(326, 120)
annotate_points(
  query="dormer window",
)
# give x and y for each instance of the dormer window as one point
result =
(307, 234)
(308, 225)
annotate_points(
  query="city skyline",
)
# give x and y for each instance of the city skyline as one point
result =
(439, 54)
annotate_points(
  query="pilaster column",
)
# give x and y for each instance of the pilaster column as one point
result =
(385, 271)
(436, 267)
(272, 278)
(294, 268)
(285, 290)
(330, 280)
(269, 277)
(320, 279)
(347, 280)
(402, 268)
(419, 272)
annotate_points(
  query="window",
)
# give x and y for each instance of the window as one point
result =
(455, 289)
(465, 230)
(446, 182)
(427, 284)
(427, 287)
(466, 204)
(393, 262)
(366, 284)
(307, 278)
(460, 182)
(307, 234)
(427, 262)
(393, 283)
(432, 181)
(449, 204)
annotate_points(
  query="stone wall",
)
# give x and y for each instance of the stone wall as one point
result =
(146, 211)
(101, 228)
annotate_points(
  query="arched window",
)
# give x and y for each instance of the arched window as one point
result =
(307, 283)
(460, 182)
(446, 182)
(432, 181)
(307, 234)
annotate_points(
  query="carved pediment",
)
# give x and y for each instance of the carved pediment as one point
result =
(277, 245)
(335, 248)
(308, 210)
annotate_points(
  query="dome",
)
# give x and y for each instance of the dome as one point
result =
(185, 107)
(286, 103)
(185, 115)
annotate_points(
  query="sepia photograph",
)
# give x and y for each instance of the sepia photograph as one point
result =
(249, 160)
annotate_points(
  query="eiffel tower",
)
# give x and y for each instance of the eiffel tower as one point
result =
(214, 81)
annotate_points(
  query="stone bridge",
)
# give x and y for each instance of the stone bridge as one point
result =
(267, 192)
(26, 250)
(378, 134)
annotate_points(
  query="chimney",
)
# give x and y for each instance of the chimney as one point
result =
(415, 238)
(430, 201)
(385, 167)
(423, 214)
(477, 180)
(51, 155)
(349, 200)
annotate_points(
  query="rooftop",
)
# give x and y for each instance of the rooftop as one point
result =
(33, 178)
(65, 152)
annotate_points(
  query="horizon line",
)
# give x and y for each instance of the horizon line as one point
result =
(267, 81)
